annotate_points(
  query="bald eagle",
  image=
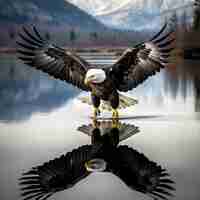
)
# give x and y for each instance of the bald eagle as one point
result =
(105, 155)
(133, 67)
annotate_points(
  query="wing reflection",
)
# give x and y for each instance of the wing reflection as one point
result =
(103, 154)
(56, 175)
(141, 174)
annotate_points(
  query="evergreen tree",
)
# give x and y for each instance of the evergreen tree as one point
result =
(94, 36)
(72, 36)
(47, 36)
(173, 20)
(196, 16)
(12, 33)
(184, 19)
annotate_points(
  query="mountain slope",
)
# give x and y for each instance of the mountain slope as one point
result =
(51, 12)
(97, 7)
(130, 14)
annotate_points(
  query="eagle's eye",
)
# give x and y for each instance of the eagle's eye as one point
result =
(92, 76)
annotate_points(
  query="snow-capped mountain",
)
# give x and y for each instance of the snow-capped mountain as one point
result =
(131, 14)
(46, 12)
(99, 7)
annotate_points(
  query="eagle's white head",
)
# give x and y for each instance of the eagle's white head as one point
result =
(95, 76)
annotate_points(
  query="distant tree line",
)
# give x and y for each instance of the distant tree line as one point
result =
(74, 36)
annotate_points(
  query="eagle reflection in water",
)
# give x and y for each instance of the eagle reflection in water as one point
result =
(103, 154)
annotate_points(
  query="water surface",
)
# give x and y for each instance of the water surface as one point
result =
(39, 117)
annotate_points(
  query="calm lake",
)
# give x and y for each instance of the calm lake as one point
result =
(39, 117)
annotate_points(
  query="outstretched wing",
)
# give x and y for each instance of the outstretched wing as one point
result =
(37, 52)
(141, 174)
(142, 61)
(56, 175)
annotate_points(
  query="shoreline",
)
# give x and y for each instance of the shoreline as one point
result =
(187, 53)
(5, 50)
(10, 50)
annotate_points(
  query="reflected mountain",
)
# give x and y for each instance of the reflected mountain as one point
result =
(103, 154)
(24, 91)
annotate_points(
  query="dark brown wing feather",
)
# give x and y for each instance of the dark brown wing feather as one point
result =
(39, 53)
(141, 174)
(141, 62)
(56, 175)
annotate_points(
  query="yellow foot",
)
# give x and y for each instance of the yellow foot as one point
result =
(115, 123)
(115, 114)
